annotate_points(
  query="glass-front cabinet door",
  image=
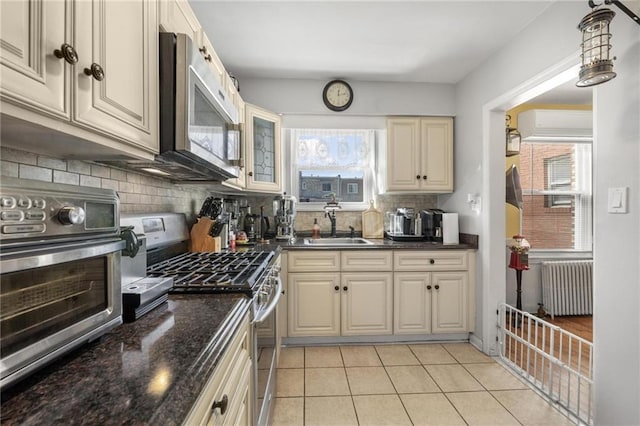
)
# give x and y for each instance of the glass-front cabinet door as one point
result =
(263, 160)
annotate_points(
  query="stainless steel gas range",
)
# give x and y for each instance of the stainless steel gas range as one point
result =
(254, 273)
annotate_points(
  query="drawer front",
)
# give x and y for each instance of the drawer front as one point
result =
(224, 380)
(314, 261)
(453, 260)
(367, 260)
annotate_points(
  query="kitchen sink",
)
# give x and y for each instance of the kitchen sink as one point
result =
(336, 241)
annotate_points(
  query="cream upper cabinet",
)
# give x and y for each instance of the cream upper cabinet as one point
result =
(419, 154)
(118, 42)
(92, 64)
(263, 159)
(176, 16)
(33, 76)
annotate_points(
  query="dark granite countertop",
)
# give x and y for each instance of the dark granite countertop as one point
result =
(467, 242)
(146, 372)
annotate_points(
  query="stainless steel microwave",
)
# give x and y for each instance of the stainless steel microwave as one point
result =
(199, 126)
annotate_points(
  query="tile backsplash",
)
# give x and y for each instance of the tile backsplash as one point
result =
(140, 193)
(344, 219)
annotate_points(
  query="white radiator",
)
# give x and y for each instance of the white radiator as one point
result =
(567, 287)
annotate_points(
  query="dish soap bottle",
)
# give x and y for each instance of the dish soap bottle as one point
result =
(315, 231)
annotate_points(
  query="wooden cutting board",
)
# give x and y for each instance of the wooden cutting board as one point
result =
(372, 222)
(201, 241)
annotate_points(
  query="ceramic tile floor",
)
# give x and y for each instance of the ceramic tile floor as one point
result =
(421, 384)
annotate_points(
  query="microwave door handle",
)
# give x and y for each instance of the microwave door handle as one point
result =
(272, 304)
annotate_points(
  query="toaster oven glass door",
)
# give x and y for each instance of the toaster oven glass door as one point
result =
(55, 298)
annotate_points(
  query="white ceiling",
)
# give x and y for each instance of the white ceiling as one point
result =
(431, 41)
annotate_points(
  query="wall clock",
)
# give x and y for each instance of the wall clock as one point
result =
(337, 95)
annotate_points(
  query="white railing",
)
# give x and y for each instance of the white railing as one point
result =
(558, 363)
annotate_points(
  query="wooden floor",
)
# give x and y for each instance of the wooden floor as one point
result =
(580, 325)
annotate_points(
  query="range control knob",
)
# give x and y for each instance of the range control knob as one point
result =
(71, 215)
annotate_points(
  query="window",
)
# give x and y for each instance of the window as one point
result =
(556, 187)
(330, 164)
(558, 172)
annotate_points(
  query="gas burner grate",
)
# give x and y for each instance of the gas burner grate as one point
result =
(213, 272)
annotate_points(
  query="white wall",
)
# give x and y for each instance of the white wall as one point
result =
(617, 236)
(480, 99)
(547, 46)
(304, 98)
(479, 151)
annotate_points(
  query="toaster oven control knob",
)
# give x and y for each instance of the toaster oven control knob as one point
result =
(71, 215)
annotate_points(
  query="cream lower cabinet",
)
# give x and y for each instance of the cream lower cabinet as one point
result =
(227, 397)
(87, 69)
(432, 292)
(366, 303)
(327, 299)
(434, 302)
(314, 304)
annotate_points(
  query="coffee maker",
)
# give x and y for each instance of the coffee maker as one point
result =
(432, 224)
(284, 214)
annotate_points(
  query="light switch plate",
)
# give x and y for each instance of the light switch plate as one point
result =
(617, 200)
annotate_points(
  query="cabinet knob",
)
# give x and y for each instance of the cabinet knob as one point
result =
(67, 52)
(337, 288)
(203, 50)
(96, 71)
(207, 58)
(222, 404)
(424, 177)
(428, 287)
(418, 177)
(432, 261)
(250, 174)
(345, 288)
(437, 287)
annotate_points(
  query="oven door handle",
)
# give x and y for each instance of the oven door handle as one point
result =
(59, 254)
(272, 305)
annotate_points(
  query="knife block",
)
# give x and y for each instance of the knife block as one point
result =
(201, 241)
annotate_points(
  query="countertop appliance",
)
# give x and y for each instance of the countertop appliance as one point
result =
(60, 252)
(432, 224)
(284, 213)
(401, 225)
(253, 273)
(199, 131)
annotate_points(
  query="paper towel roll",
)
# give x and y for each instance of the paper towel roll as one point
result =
(450, 228)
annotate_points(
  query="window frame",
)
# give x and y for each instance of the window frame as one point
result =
(368, 168)
(582, 200)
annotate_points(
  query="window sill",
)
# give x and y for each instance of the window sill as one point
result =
(545, 255)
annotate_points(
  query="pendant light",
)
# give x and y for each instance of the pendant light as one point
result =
(597, 64)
